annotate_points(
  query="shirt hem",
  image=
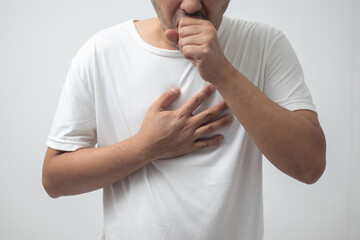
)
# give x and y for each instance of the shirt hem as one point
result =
(299, 105)
(66, 145)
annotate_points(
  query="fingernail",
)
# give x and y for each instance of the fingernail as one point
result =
(212, 88)
(229, 117)
(221, 139)
(175, 89)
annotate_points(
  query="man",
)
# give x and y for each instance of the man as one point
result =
(164, 172)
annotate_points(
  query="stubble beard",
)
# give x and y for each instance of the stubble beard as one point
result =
(165, 25)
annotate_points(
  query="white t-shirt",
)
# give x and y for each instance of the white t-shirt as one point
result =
(214, 193)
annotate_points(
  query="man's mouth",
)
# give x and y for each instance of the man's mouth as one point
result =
(182, 14)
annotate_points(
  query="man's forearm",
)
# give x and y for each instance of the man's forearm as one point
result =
(89, 169)
(290, 140)
(163, 134)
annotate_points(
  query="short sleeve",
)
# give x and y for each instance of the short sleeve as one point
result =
(74, 125)
(284, 78)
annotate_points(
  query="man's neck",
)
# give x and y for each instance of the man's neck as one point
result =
(151, 31)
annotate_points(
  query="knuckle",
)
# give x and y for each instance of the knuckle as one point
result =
(187, 127)
(186, 56)
(204, 144)
(209, 129)
(209, 116)
(181, 23)
(197, 100)
(181, 32)
(206, 24)
(171, 126)
(206, 50)
(180, 115)
(200, 145)
(181, 42)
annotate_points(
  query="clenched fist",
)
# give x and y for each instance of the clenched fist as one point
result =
(198, 42)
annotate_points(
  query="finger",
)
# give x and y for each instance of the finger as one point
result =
(192, 41)
(166, 98)
(209, 114)
(212, 127)
(193, 52)
(187, 21)
(190, 31)
(172, 35)
(204, 143)
(192, 48)
(190, 106)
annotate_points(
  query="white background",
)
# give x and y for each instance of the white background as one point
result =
(38, 39)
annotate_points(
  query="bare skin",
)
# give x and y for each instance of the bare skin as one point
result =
(163, 134)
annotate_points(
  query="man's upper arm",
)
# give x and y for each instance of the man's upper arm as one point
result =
(74, 124)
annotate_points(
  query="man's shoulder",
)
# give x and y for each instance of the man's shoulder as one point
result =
(102, 45)
(249, 28)
(104, 41)
(111, 35)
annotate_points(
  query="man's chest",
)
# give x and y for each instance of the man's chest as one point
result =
(124, 96)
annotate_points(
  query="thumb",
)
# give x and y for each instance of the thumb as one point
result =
(167, 97)
(172, 35)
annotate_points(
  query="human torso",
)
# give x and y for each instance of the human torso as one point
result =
(214, 193)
